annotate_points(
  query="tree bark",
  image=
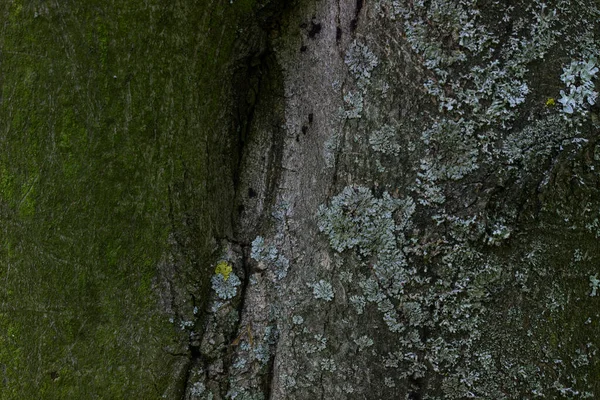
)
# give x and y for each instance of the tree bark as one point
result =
(347, 200)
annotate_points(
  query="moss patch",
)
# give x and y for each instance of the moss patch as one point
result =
(111, 140)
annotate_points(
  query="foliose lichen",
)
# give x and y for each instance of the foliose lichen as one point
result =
(322, 290)
(226, 288)
(580, 95)
(357, 219)
(270, 257)
(360, 61)
(384, 141)
(594, 284)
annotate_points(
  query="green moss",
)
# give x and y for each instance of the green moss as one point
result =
(108, 114)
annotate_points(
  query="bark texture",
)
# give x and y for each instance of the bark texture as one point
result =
(417, 204)
(298, 200)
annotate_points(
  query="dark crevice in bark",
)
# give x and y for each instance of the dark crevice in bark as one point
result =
(262, 126)
(247, 78)
(269, 376)
(258, 90)
(248, 81)
(315, 29)
(187, 378)
(357, 10)
(414, 396)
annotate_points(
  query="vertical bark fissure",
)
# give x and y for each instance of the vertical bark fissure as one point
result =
(256, 85)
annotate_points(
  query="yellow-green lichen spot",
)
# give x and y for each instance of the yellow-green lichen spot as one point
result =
(223, 268)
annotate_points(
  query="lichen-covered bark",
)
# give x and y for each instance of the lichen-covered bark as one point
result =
(298, 200)
(417, 210)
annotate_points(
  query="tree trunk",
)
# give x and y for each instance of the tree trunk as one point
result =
(298, 200)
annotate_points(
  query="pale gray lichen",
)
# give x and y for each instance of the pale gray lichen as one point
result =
(328, 364)
(384, 141)
(363, 342)
(579, 256)
(319, 344)
(360, 61)
(185, 324)
(280, 211)
(237, 393)
(530, 148)
(197, 389)
(262, 353)
(348, 388)
(346, 276)
(240, 363)
(322, 290)
(426, 185)
(594, 284)
(258, 248)
(379, 166)
(580, 95)
(357, 219)
(499, 233)
(354, 104)
(452, 148)
(390, 316)
(495, 85)
(414, 313)
(226, 288)
(451, 295)
(330, 148)
(216, 306)
(288, 381)
(371, 290)
(270, 257)
(359, 303)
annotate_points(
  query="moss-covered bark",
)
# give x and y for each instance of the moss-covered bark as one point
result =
(118, 145)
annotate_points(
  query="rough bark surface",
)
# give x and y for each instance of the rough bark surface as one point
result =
(300, 200)
(417, 204)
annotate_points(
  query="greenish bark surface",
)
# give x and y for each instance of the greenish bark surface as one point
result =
(118, 142)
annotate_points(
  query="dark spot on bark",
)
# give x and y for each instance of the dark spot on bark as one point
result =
(377, 190)
(298, 138)
(354, 22)
(315, 29)
(303, 49)
(195, 351)
(241, 209)
(311, 117)
(359, 6)
(338, 34)
(447, 41)
(303, 25)
(251, 193)
(304, 129)
(417, 386)
(53, 375)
